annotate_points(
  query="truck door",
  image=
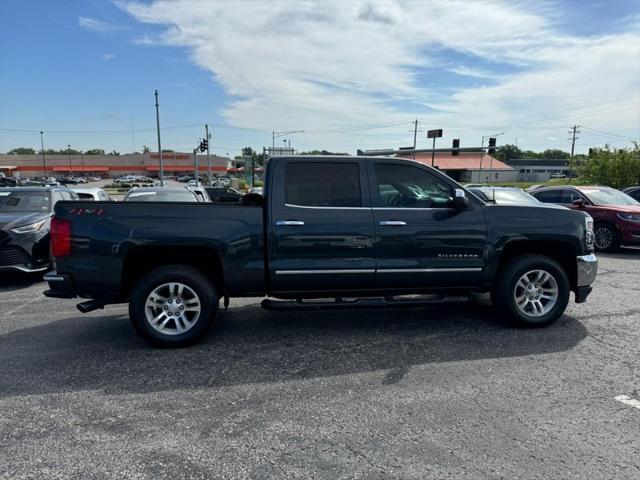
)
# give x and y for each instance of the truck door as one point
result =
(321, 226)
(421, 241)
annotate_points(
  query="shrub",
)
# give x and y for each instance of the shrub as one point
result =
(614, 168)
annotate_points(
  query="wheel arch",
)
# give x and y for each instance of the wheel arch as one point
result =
(140, 260)
(562, 252)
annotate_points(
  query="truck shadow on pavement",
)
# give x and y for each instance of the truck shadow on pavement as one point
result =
(250, 345)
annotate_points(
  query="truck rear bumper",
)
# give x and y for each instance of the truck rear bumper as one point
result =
(60, 286)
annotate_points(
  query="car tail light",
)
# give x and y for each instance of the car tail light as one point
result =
(60, 237)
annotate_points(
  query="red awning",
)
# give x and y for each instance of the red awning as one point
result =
(84, 168)
(183, 168)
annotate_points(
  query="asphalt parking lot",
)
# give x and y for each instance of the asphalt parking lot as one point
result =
(422, 393)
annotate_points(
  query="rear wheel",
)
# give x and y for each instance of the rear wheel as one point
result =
(533, 291)
(173, 306)
(606, 238)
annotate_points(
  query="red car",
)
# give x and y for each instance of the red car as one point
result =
(616, 214)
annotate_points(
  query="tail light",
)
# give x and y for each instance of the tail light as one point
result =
(60, 237)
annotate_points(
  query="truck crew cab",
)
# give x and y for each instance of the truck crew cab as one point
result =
(365, 228)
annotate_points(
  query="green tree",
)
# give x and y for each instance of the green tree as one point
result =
(508, 152)
(22, 151)
(554, 153)
(94, 151)
(145, 149)
(322, 152)
(614, 168)
(113, 152)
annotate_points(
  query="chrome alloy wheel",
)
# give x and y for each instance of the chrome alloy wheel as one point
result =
(604, 238)
(536, 293)
(172, 308)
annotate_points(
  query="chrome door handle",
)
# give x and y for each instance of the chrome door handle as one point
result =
(392, 223)
(289, 223)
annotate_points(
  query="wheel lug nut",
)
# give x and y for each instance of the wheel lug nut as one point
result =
(166, 308)
(181, 307)
(177, 300)
(170, 301)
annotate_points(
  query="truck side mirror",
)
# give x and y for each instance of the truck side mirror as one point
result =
(460, 200)
(578, 203)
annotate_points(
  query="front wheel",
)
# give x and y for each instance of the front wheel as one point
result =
(606, 238)
(173, 306)
(533, 291)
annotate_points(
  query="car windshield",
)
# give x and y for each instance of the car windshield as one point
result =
(18, 201)
(161, 196)
(512, 197)
(608, 196)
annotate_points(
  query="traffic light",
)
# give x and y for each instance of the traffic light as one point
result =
(492, 146)
(456, 145)
(204, 143)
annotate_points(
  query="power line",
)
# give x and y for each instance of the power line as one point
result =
(608, 133)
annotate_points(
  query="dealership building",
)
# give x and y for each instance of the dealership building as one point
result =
(110, 166)
(468, 167)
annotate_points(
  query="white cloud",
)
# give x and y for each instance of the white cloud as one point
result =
(108, 56)
(335, 65)
(97, 25)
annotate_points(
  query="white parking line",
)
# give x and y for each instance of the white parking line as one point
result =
(632, 402)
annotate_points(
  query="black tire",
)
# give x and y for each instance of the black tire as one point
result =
(188, 276)
(611, 233)
(504, 299)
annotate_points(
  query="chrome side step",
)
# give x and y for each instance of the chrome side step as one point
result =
(356, 303)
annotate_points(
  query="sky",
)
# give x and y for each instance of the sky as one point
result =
(343, 74)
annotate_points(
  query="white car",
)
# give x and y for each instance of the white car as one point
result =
(92, 194)
(257, 190)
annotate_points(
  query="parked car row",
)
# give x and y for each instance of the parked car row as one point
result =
(616, 213)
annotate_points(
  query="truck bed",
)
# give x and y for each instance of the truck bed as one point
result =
(109, 237)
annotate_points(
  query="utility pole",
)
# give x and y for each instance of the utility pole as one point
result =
(161, 170)
(208, 137)
(44, 162)
(574, 132)
(415, 135)
(69, 155)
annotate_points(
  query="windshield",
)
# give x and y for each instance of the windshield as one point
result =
(24, 202)
(160, 196)
(609, 196)
(513, 197)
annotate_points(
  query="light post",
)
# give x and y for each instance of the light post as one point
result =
(69, 155)
(161, 167)
(44, 162)
(491, 161)
(275, 135)
(482, 153)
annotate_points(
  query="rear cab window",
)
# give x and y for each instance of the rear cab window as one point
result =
(323, 184)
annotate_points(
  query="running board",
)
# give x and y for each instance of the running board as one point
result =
(355, 303)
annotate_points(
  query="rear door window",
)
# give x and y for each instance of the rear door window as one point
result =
(323, 184)
(550, 196)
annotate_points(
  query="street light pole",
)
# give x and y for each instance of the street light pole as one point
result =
(44, 162)
(161, 170)
(69, 155)
(195, 164)
(208, 137)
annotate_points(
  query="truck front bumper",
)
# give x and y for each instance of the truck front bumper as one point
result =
(587, 270)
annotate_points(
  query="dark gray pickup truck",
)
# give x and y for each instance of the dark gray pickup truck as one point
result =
(362, 231)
